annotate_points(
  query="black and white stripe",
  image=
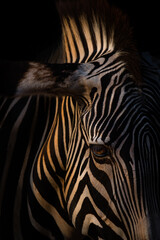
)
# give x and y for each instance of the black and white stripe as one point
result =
(25, 124)
(92, 167)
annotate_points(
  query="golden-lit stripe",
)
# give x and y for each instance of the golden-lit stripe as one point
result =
(69, 37)
(63, 107)
(87, 35)
(52, 182)
(61, 223)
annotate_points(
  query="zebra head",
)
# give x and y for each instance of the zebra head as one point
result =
(113, 191)
(112, 182)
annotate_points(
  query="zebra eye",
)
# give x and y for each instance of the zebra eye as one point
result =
(100, 151)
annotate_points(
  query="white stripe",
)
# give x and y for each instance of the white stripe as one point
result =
(66, 229)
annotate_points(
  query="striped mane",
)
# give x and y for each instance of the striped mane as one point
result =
(84, 32)
(92, 28)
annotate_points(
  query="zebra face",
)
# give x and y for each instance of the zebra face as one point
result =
(115, 187)
(109, 156)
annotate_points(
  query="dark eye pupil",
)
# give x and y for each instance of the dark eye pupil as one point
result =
(100, 150)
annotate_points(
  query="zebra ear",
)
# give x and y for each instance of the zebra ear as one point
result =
(31, 78)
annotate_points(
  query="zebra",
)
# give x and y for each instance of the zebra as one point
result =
(94, 172)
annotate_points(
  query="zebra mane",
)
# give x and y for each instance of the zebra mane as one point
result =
(83, 23)
(94, 28)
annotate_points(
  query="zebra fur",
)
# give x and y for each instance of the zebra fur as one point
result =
(66, 194)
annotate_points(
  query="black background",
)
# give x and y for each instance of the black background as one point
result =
(27, 28)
